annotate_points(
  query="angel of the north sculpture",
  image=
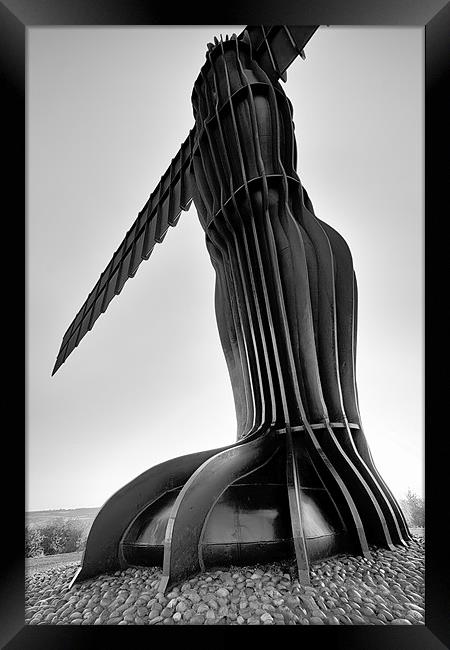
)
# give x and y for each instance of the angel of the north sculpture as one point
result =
(300, 479)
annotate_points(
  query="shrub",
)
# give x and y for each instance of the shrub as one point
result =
(33, 542)
(62, 536)
(413, 508)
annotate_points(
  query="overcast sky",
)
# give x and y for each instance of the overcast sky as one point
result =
(107, 110)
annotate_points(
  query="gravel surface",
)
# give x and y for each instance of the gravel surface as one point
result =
(345, 590)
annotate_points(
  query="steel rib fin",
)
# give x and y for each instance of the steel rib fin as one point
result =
(365, 500)
(224, 316)
(233, 217)
(263, 240)
(347, 442)
(163, 208)
(276, 47)
(244, 214)
(400, 523)
(338, 490)
(295, 510)
(265, 399)
(239, 328)
(209, 178)
(292, 479)
(102, 551)
(346, 274)
(327, 335)
(347, 501)
(189, 514)
(346, 325)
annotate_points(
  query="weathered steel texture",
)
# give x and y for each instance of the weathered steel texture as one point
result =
(286, 303)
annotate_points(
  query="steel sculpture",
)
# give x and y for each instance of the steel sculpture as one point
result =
(300, 479)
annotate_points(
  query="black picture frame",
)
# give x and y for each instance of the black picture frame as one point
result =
(18, 15)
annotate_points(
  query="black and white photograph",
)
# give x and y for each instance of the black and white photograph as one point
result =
(225, 327)
(284, 486)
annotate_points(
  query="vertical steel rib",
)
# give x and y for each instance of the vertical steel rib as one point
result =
(327, 342)
(189, 514)
(281, 305)
(344, 282)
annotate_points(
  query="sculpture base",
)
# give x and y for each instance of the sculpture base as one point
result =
(269, 498)
(249, 524)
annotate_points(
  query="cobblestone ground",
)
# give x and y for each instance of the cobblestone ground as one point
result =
(346, 590)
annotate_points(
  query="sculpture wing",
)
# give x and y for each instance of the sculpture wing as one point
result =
(275, 47)
(163, 208)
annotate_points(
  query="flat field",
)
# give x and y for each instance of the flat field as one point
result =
(42, 516)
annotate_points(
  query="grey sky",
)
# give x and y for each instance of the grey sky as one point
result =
(107, 110)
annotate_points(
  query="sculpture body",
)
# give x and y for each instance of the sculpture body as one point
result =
(300, 478)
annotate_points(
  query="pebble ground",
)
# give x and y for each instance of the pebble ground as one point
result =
(345, 590)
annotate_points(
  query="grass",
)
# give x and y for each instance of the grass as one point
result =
(45, 562)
